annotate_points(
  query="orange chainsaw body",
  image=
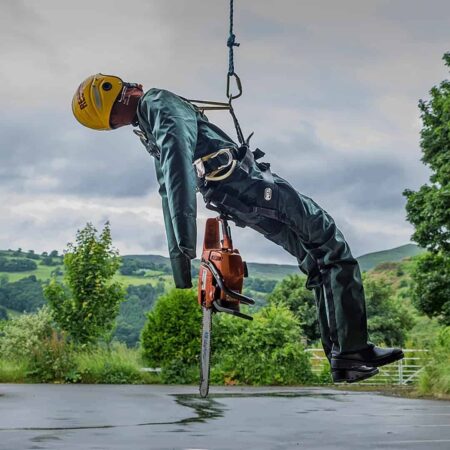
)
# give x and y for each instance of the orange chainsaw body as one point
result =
(228, 263)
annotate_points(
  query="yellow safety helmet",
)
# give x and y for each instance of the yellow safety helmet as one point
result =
(94, 99)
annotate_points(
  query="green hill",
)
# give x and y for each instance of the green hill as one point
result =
(279, 271)
(371, 260)
(161, 265)
(23, 275)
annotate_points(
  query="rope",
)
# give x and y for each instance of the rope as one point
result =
(231, 42)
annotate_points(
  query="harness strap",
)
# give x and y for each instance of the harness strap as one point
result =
(228, 203)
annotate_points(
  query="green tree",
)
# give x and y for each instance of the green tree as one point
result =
(431, 285)
(428, 209)
(86, 306)
(387, 320)
(291, 291)
(171, 337)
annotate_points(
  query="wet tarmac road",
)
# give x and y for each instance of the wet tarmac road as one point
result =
(174, 417)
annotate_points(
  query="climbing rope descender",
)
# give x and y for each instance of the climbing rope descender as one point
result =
(220, 282)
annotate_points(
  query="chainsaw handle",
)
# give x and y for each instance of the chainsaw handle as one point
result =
(219, 308)
(233, 294)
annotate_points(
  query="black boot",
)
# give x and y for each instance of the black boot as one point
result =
(371, 356)
(353, 375)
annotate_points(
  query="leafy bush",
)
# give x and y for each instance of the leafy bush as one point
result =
(22, 336)
(265, 351)
(171, 337)
(30, 341)
(52, 361)
(435, 379)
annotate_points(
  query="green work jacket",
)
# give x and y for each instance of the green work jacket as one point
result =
(182, 134)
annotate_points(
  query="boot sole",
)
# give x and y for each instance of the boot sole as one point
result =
(352, 376)
(348, 364)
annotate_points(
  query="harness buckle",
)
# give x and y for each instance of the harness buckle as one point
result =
(199, 167)
(213, 174)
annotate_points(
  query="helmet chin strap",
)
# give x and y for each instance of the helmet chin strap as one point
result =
(127, 91)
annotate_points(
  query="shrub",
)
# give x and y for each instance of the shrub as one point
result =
(265, 351)
(171, 338)
(30, 341)
(23, 335)
(52, 361)
(435, 379)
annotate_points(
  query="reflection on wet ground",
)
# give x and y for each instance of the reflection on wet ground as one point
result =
(204, 408)
(175, 417)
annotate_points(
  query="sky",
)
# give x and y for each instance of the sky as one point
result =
(330, 90)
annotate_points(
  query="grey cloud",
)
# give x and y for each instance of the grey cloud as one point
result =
(299, 61)
(361, 181)
(49, 153)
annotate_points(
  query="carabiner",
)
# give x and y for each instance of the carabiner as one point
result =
(238, 84)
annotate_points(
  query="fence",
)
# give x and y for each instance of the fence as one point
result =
(401, 372)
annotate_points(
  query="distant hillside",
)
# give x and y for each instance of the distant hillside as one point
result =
(371, 260)
(279, 271)
(23, 275)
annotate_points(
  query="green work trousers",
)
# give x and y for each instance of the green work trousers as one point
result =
(252, 196)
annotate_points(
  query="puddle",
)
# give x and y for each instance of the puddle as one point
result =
(204, 409)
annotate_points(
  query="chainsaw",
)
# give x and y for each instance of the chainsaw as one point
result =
(220, 282)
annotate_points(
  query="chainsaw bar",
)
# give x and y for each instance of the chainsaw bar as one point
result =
(205, 356)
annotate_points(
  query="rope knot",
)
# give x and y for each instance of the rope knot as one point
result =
(231, 42)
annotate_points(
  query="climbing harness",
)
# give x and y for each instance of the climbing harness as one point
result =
(212, 167)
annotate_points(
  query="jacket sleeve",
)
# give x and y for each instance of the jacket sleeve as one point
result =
(174, 127)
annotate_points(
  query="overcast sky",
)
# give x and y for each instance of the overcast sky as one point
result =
(330, 89)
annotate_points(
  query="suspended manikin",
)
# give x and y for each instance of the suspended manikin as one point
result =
(189, 153)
